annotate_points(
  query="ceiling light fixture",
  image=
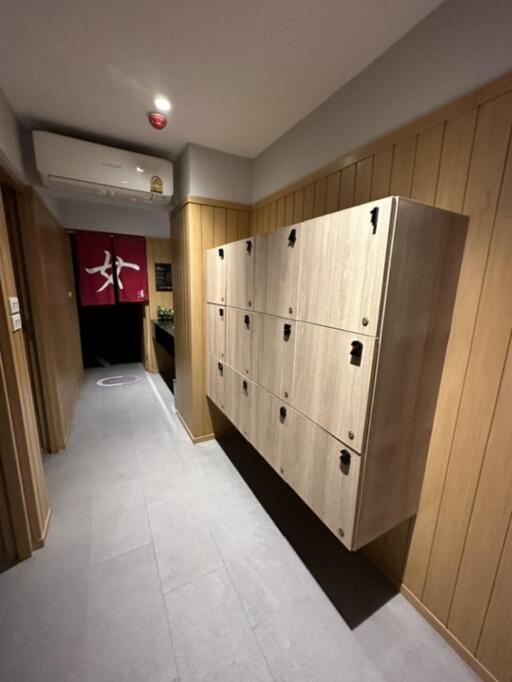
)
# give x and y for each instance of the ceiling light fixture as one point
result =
(162, 103)
(139, 169)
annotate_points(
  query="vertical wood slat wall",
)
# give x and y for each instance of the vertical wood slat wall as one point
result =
(197, 226)
(456, 555)
(454, 560)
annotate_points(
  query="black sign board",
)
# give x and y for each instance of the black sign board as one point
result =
(163, 276)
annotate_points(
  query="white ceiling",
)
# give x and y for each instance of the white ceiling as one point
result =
(239, 73)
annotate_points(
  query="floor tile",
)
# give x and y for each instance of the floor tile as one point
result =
(307, 640)
(212, 639)
(127, 634)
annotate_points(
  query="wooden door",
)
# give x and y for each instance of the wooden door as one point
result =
(216, 381)
(333, 380)
(240, 274)
(216, 330)
(273, 354)
(343, 266)
(277, 271)
(240, 402)
(216, 275)
(239, 335)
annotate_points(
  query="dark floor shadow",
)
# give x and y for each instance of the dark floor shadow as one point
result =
(353, 585)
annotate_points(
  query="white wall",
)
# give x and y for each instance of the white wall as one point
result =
(460, 46)
(11, 148)
(205, 172)
(116, 218)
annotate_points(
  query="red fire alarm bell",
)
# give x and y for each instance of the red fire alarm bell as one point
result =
(157, 120)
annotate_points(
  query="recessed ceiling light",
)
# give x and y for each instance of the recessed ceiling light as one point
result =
(162, 103)
(140, 170)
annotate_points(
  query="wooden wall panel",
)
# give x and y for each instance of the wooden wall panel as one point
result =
(364, 172)
(48, 265)
(157, 251)
(455, 558)
(20, 448)
(196, 227)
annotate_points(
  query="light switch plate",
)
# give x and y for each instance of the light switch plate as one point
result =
(16, 322)
(14, 305)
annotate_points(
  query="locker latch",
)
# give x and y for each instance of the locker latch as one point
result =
(345, 457)
(287, 330)
(374, 218)
(221, 312)
(221, 253)
(247, 321)
(282, 413)
(220, 368)
(292, 237)
(244, 385)
(356, 353)
(248, 246)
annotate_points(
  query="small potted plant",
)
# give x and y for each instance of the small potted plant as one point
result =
(165, 313)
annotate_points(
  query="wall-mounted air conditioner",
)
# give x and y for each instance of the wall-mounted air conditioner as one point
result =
(104, 172)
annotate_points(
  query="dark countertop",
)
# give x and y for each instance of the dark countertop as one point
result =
(166, 325)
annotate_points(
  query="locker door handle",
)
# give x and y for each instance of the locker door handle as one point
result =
(248, 246)
(220, 368)
(356, 353)
(374, 218)
(221, 312)
(287, 331)
(244, 385)
(292, 237)
(221, 253)
(345, 458)
(247, 321)
(282, 413)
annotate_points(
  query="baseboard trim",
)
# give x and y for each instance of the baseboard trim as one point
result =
(39, 543)
(194, 439)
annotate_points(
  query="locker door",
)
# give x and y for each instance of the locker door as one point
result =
(343, 266)
(277, 271)
(216, 330)
(240, 402)
(321, 470)
(300, 453)
(216, 275)
(273, 354)
(337, 505)
(262, 437)
(333, 379)
(240, 274)
(239, 334)
(216, 381)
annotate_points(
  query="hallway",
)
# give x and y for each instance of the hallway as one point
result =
(162, 565)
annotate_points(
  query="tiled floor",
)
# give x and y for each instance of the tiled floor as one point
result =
(163, 565)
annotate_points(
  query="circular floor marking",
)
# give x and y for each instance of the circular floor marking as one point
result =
(121, 380)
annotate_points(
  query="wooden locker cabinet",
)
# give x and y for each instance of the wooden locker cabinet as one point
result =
(332, 382)
(240, 257)
(239, 339)
(216, 275)
(276, 268)
(216, 381)
(273, 353)
(216, 330)
(343, 388)
(343, 267)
